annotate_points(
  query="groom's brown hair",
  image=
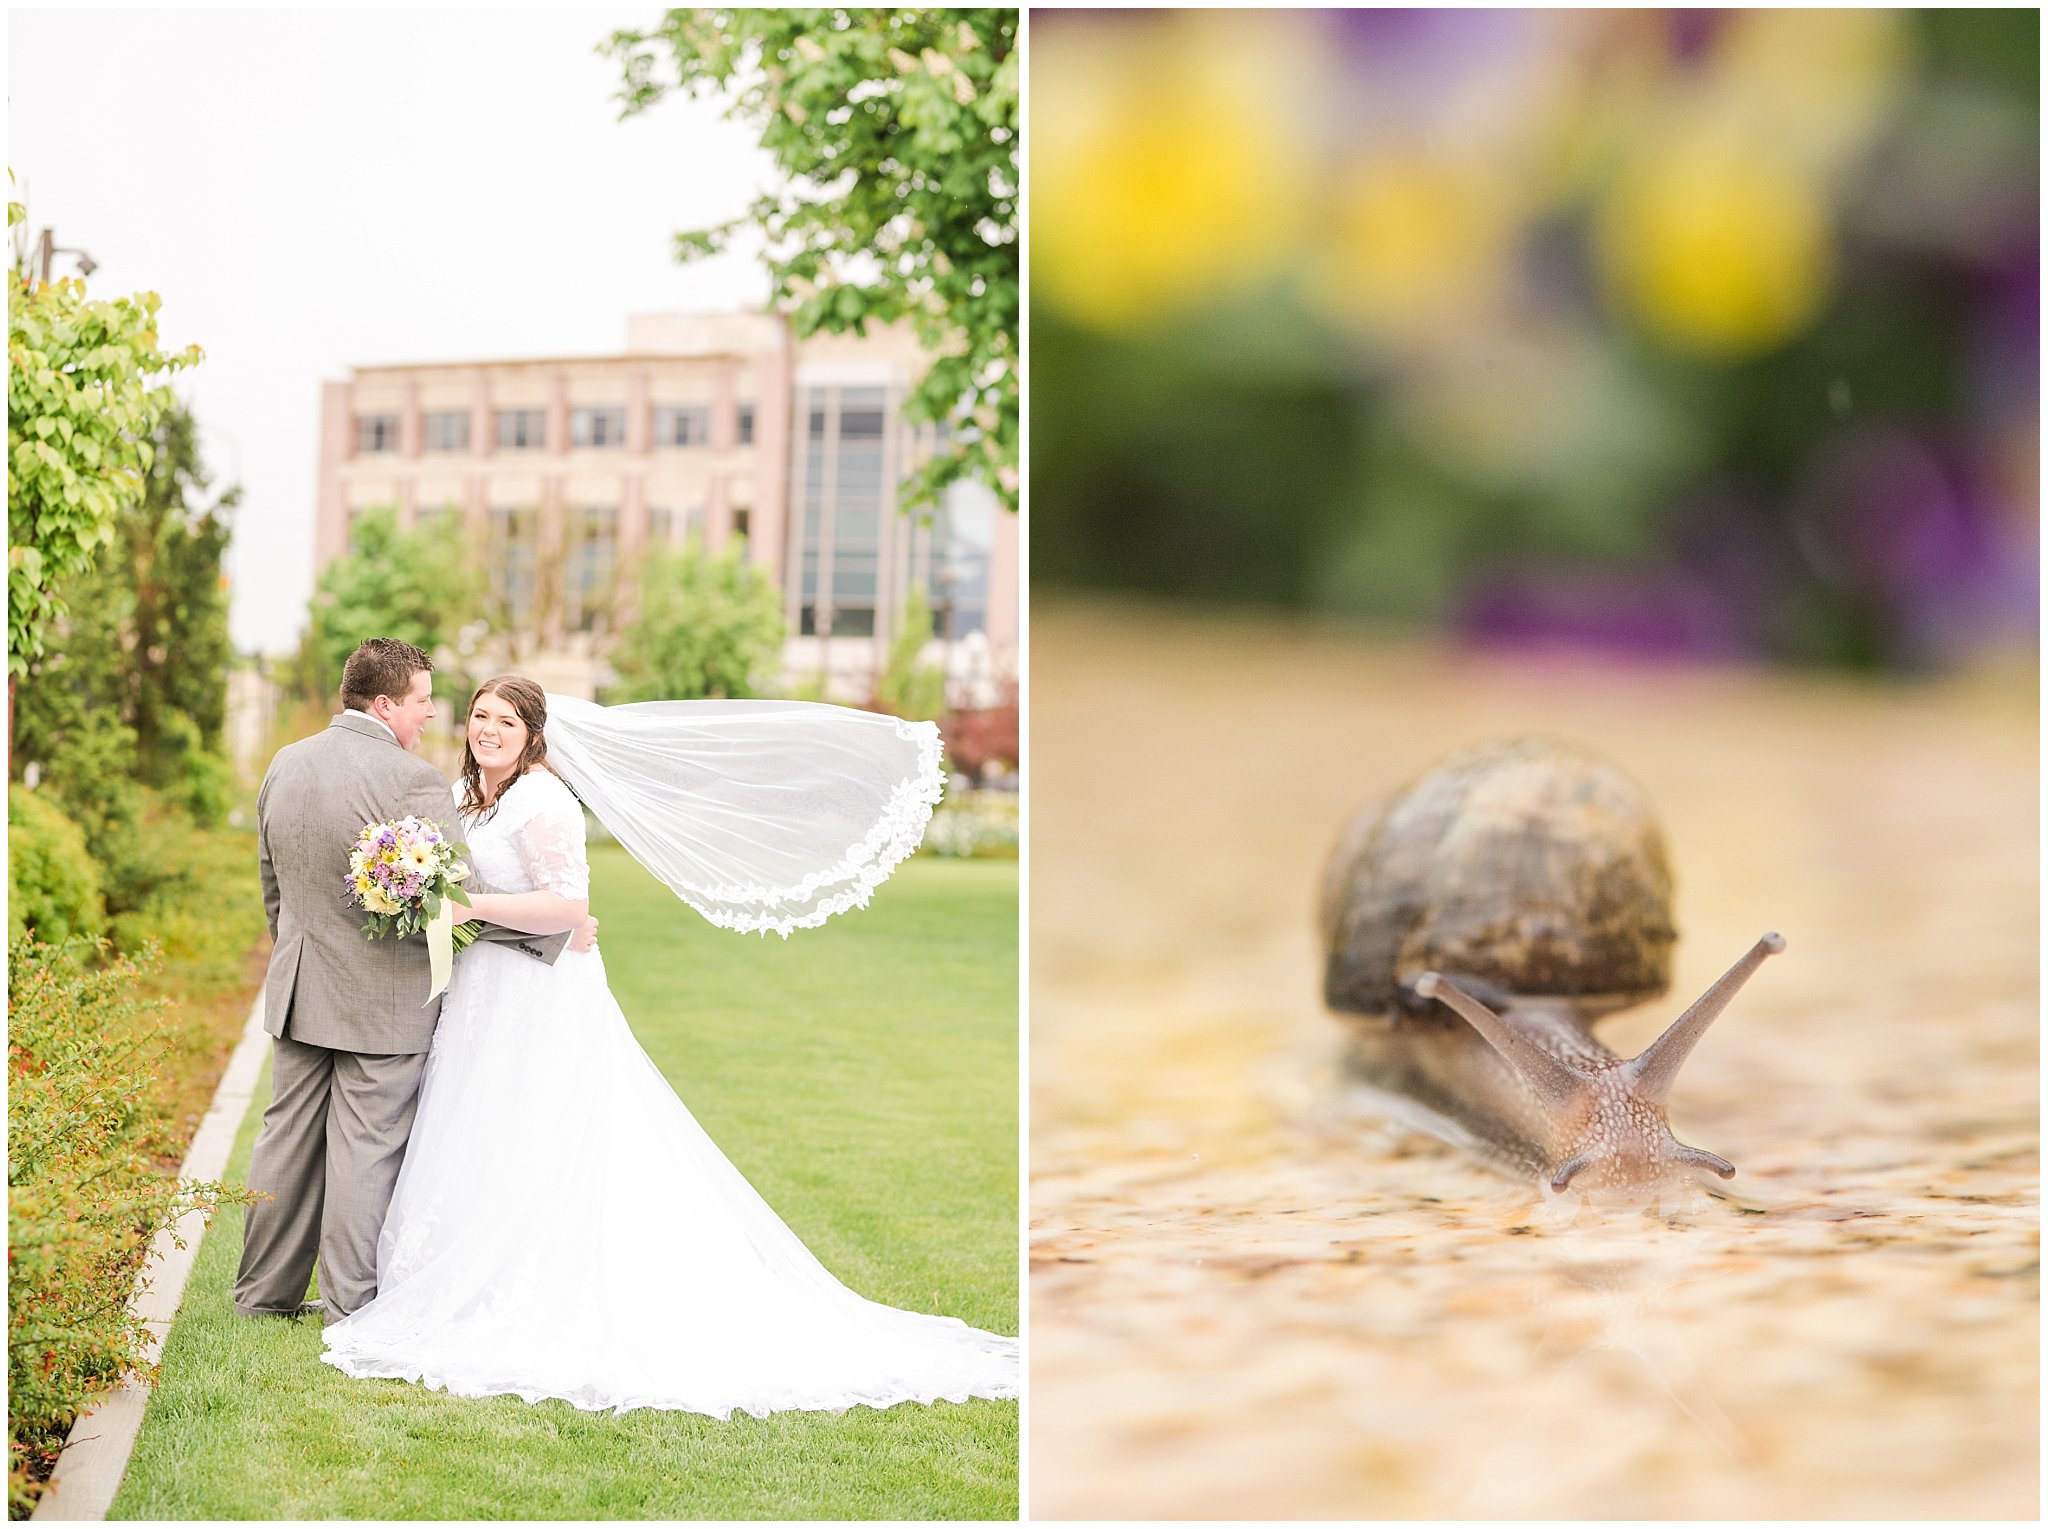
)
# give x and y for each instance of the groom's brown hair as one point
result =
(381, 666)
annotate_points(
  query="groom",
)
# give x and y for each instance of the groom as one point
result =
(350, 1015)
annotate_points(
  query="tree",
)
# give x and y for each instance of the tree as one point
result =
(908, 687)
(134, 683)
(422, 586)
(897, 130)
(174, 547)
(81, 415)
(707, 625)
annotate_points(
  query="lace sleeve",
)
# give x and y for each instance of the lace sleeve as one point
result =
(550, 840)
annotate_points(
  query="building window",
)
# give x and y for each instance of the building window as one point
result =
(846, 468)
(522, 429)
(746, 424)
(689, 426)
(597, 427)
(447, 430)
(592, 547)
(515, 548)
(860, 424)
(376, 432)
(950, 555)
(742, 525)
(661, 525)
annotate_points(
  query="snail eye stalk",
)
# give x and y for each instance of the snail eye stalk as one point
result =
(1652, 1074)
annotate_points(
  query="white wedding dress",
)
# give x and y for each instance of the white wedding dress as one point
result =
(563, 1227)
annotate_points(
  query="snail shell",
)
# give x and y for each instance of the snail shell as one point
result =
(1479, 921)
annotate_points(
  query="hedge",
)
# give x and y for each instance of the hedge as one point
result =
(53, 884)
(86, 1043)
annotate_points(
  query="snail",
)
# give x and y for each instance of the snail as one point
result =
(1479, 922)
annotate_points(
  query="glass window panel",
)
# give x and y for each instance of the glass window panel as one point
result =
(853, 621)
(376, 432)
(522, 429)
(683, 426)
(746, 424)
(604, 427)
(592, 547)
(852, 583)
(447, 430)
(514, 560)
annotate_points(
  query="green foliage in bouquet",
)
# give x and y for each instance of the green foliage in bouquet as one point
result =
(85, 1199)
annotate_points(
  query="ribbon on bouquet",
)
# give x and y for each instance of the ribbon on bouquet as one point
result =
(440, 948)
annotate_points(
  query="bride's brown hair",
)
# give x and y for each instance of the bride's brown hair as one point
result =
(530, 703)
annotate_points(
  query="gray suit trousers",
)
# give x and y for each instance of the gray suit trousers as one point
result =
(332, 1142)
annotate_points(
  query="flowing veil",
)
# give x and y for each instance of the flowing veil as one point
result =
(759, 814)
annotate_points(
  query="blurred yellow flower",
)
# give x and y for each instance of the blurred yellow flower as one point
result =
(1715, 245)
(377, 902)
(1419, 243)
(1164, 168)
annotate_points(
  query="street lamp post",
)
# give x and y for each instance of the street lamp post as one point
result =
(47, 248)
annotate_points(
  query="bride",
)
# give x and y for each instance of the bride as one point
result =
(562, 1226)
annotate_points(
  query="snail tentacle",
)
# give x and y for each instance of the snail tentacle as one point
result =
(1561, 1179)
(1699, 1157)
(1653, 1072)
(1552, 1081)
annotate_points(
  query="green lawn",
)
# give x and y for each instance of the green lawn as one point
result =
(862, 1075)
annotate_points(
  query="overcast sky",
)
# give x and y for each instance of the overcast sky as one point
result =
(312, 190)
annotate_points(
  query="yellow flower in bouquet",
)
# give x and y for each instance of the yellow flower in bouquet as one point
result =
(404, 874)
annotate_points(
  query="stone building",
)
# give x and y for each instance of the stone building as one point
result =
(565, 471)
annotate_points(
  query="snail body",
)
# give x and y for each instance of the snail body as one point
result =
(1477, 924)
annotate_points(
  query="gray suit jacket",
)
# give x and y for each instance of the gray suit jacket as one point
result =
(333, 985)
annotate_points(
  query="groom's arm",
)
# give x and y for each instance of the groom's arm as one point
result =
(542, 947)
(265, 871)
(430, 800)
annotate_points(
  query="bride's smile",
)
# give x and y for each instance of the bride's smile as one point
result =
(497, 738)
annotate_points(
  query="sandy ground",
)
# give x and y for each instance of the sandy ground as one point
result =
(1252, 1297)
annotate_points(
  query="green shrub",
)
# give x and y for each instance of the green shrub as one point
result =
(908, 686)
(87, 774)
(53, 886)
(195, 780)
(977, 825)
(84, 1124)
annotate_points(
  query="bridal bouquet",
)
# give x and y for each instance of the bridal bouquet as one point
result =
(406, 876)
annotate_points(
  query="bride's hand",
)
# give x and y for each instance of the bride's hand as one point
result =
(584, 935)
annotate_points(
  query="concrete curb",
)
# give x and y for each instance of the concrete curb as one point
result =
(96, 1454)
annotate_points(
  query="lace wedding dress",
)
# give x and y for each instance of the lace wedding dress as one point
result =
(564, 1228)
